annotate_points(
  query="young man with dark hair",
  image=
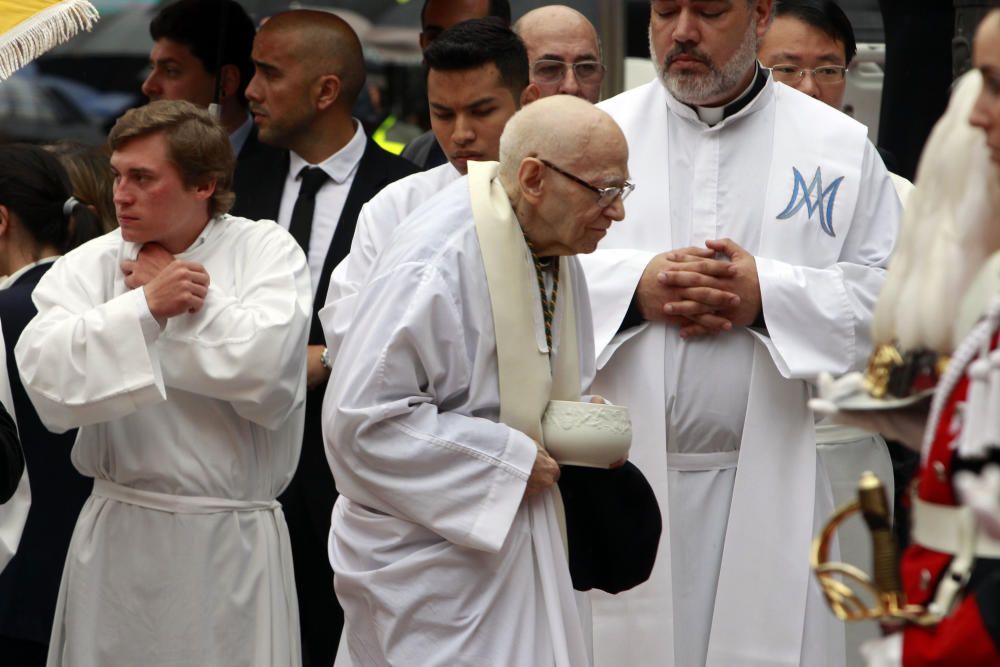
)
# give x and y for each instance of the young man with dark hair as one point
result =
(477, 77)
(187, 62)
(436, 16)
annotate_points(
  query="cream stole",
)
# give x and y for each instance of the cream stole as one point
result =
(527, 383)
(527, 380)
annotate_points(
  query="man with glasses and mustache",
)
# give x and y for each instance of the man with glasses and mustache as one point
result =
(564, 52)
(758, 236)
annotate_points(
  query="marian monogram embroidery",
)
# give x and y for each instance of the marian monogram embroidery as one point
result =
(815, 198)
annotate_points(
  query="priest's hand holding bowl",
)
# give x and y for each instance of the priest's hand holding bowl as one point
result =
(544, 473)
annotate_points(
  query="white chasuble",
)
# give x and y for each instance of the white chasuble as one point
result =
(439, 559)
(181, 555)
(720, 424)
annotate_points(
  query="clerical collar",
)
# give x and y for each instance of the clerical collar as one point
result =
(713, 115)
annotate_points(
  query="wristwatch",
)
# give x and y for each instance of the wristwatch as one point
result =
(324, 359)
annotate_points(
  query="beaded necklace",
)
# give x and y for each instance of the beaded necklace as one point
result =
(548, 303)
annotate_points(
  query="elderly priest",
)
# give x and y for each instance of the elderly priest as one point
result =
(446, 539)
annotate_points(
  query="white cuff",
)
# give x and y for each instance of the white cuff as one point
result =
(151, 327)
(884, 652)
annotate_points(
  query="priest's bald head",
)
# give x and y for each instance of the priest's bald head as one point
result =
(564, 165)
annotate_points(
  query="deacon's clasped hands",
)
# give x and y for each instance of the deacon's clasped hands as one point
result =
(700, 294)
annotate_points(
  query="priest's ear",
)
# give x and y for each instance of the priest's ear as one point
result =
(530, 93)
(530, 181)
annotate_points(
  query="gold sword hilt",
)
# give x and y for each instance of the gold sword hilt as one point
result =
(874, 507)
(884, 588)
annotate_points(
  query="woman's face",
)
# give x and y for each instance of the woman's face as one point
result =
(986, 58)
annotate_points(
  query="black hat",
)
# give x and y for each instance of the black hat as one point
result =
(613, 526)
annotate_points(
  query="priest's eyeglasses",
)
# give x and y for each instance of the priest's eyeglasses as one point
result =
(605, 196)
(792, 74)
(546, 70)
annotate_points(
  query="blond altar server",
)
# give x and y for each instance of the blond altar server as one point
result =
(172, 343)
(446, 540)
(766, 218)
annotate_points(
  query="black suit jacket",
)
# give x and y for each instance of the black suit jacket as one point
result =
(262, 201)
(11, 458)
(29, 585)
(255, 168)
(309, 498)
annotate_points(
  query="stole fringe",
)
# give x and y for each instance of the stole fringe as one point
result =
(43, 31)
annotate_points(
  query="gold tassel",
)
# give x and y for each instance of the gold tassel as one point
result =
(39, 32)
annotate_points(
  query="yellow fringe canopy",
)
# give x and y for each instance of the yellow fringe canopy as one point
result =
(29, 28)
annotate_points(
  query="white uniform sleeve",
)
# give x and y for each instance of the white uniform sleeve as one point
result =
(612, 276)
(392, 441)
(348, 277)
(819, 319)
(245, 344)
(84, 361)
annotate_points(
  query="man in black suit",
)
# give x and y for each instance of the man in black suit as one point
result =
(309, 71)
(188, 62)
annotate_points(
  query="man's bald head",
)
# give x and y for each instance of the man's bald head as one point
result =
(557, 156)
(309, 72)
(558, 37)
(326, 44)
(562, 129)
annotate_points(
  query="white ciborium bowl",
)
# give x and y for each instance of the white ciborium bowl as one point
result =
(586, 434)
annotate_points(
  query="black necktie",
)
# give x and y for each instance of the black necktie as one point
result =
(300, 226)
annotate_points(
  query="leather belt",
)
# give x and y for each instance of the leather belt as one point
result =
(949, 529)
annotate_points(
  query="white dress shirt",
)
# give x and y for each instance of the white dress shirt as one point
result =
(341, 168)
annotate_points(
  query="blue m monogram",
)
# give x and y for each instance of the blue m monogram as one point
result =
(814, 198)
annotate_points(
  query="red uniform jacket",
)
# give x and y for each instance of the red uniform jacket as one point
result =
(970, 635)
